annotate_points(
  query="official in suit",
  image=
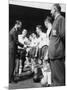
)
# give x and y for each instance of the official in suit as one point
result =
(13, 47)
(56, 48)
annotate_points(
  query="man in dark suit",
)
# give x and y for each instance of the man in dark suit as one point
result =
(13, 39)
(56, 48)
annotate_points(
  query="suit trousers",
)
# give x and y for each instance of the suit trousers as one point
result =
(58, 72)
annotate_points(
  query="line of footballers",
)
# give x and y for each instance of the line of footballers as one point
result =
(33, 51)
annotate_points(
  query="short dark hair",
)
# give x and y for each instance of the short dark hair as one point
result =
(39, 26)
(49, 19)
(18, 22)
(58, 7)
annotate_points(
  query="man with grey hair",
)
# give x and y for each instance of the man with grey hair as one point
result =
(56, 48)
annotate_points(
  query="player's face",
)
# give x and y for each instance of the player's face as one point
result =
(24, 32)
(30, 37)
(53, 10)
(46, 24)
(34, 36)
(37, 30)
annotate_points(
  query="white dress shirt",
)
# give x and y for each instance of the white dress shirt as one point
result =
(42, 40)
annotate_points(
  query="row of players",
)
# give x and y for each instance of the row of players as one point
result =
(35, 48)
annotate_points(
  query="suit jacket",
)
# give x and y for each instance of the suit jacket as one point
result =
(13, 37)
(56, 46)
